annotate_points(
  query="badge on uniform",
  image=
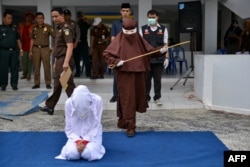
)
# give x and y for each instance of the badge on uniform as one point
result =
(66, 32)
(45, 29)
(146, 31)
(160, 31)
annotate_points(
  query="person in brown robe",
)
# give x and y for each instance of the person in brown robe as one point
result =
(131, 75)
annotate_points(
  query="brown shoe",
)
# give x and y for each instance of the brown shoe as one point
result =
(130, 133)
(23, 77)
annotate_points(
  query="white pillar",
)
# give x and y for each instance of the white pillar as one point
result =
(45, 7)
(210, 26)
(143, 8)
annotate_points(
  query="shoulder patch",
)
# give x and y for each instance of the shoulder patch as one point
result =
(66, 32)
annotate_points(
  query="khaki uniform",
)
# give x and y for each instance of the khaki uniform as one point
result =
(41, 51)
(63, 35)
(101, 36)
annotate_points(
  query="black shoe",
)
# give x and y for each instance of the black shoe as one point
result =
(101, 77)
(88, 75)
(93, 77)
(23, 77)
(14, 88)
(113, 99)
(77, 75)
(48, 87)
(148, 98)
(35, 86)
(50, 111)
(3, 88)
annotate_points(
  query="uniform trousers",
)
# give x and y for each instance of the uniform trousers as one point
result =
(9, 60)
(26, 63)
(41, 55)
(155, 73)
(115, 90)
(53, 99)
(82, 52)
(98, 62)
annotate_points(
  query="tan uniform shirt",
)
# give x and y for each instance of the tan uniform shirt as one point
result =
(100, 34)
(40, 35)
(64, 35)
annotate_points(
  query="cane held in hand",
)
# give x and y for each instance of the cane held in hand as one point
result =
(111, 66)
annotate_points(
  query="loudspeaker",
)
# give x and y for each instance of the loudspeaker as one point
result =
(189, 16)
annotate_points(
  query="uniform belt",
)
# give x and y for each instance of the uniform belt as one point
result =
(8, 48)
(41, 46)
(100, 42)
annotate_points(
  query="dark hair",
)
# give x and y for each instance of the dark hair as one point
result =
(7, 13)
(152, 12)
(125, 5)
(39, 13)
(234, 21)
(57, 9)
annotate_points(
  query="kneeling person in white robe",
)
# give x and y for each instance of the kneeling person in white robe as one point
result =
(83, 112)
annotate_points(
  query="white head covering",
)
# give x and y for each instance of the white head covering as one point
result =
(81, 100)
(97, 20)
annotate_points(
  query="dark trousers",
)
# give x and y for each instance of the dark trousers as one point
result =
(53, 99)
(27, 64)
(115, 90)
(98, 62)
(155, 73)
(9, 60)
(82, 52)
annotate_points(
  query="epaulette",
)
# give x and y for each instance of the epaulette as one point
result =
(47, 25)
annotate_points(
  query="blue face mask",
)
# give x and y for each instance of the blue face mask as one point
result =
(151, 21)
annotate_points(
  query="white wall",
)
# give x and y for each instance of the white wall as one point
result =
(222, 82)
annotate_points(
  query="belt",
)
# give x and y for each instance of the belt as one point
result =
(100, 43)
(8, 48)
(41, 46)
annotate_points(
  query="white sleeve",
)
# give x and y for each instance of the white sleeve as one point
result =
(165, 36)
(140, 31)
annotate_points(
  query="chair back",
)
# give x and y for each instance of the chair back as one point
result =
(178, 53)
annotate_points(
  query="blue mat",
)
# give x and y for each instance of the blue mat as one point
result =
(146, 149)
(18, 103)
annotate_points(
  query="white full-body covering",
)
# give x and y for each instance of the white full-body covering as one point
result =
(83, 112)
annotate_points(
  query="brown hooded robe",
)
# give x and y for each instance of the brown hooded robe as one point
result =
(131, 76)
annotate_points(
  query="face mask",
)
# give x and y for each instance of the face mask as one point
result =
(151, 21)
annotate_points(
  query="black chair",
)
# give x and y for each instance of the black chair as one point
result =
(177, 55)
